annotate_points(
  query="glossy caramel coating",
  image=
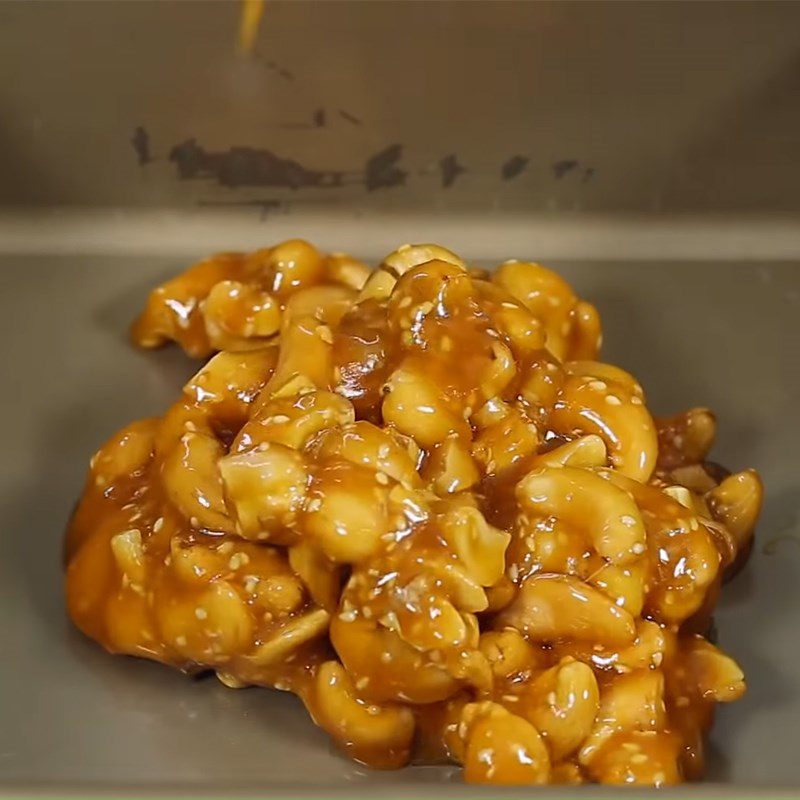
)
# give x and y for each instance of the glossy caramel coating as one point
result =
(416, 499)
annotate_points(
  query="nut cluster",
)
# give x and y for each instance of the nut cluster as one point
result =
(413, 497)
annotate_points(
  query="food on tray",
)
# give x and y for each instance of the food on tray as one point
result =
(413, 497)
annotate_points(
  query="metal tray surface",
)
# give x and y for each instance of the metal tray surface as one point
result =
(75, 720)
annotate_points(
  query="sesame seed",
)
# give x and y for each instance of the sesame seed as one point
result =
(348, 616)
(639, 758)
(194, 522)
(225, 548)
(250, 584)
(366, 612)
(238, 560)
(362, 683)
(180, 641)
(158, 524)
(657, 659)
(314, 504)
(324, 333)
(613, 400)
(598, 386)
(551, 698)
(200, 613)
(386, 658)
(279, 419)
(405, 302)
(382, 478)
(638, 548)
(389, 620)
(373, 711)
(637, 401)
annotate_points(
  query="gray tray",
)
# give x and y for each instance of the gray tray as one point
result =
(650, 150)
(76, 720)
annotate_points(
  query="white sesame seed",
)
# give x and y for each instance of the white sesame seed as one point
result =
(613, 400)
(200, 613)
(598, 386)
(324, 333)
(158, 524)
(382, 478)
(551, 698)
(348, 616)
(638, 548)
(238, 560)
(180, 641)
(362, 683)
(386, 658)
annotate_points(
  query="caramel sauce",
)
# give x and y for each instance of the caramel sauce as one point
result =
(413, 498)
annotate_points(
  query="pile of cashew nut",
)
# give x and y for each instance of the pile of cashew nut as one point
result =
(415, 498)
